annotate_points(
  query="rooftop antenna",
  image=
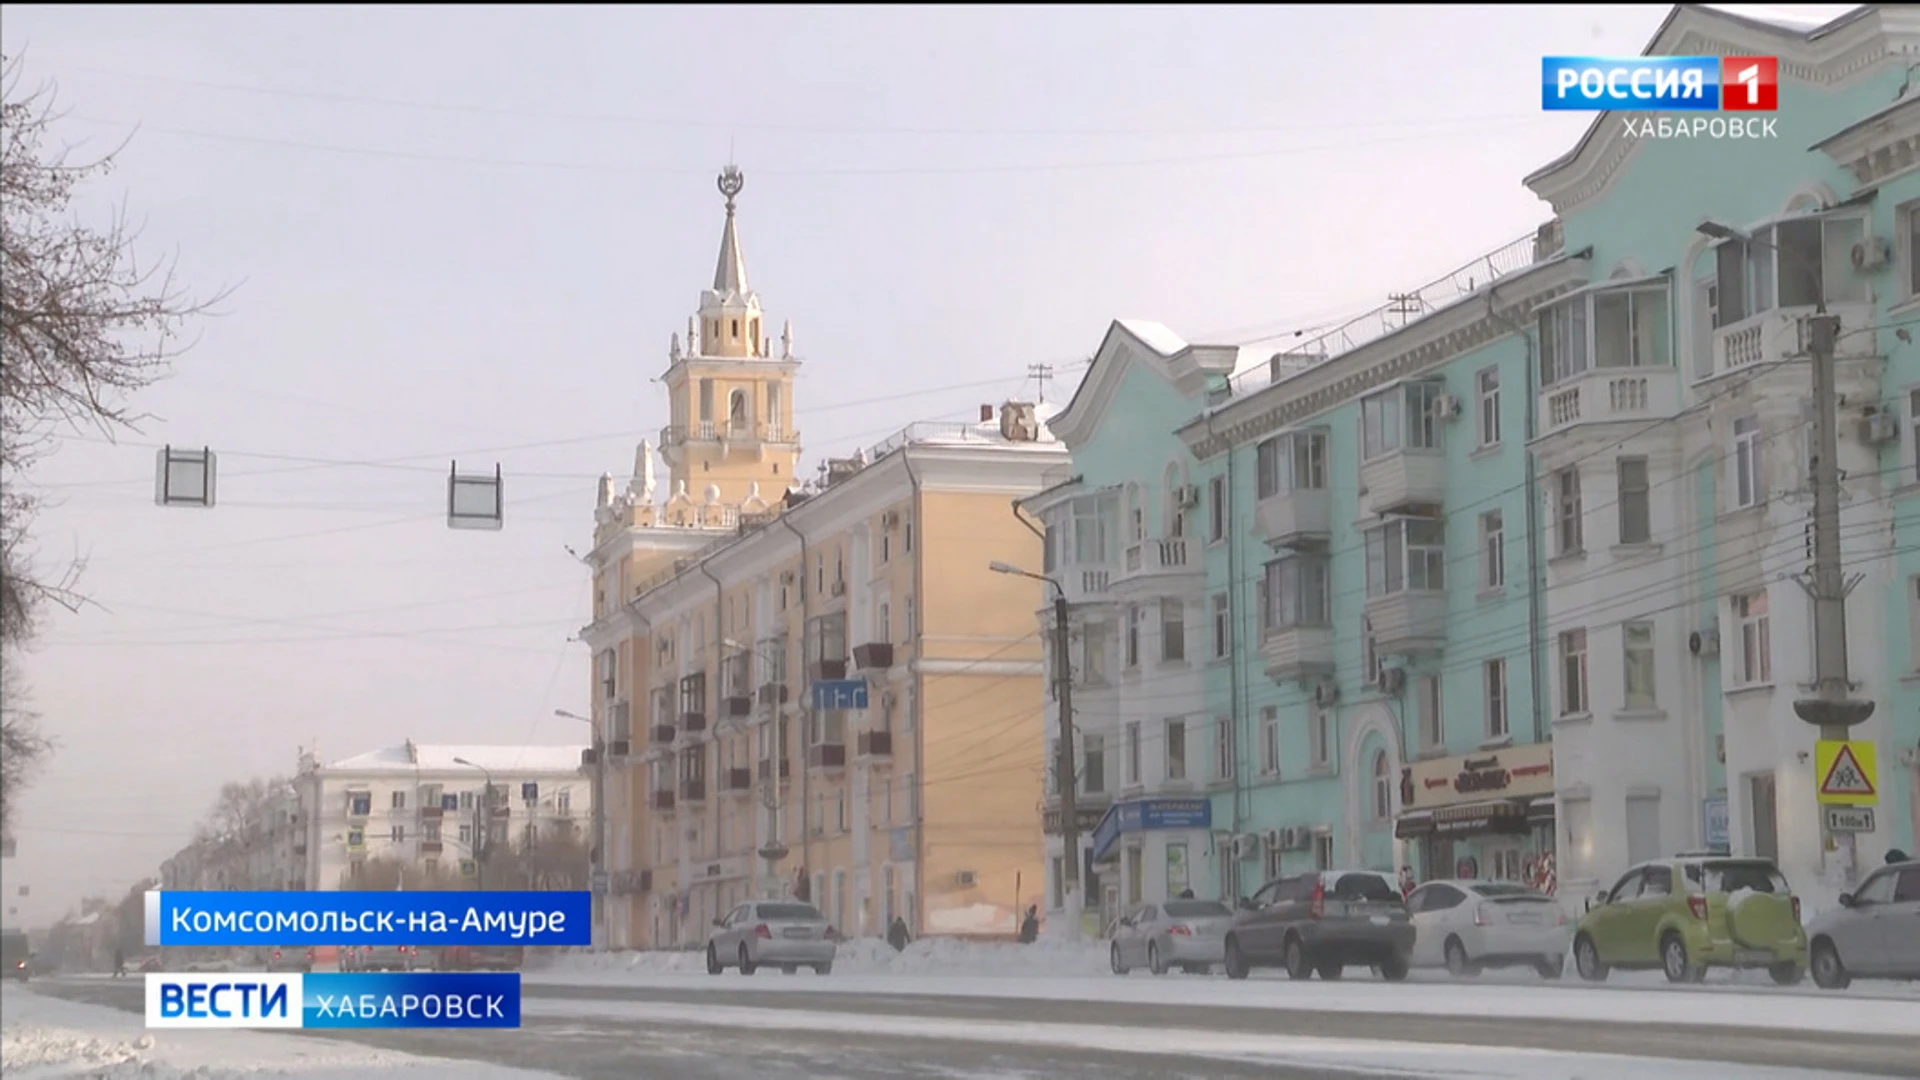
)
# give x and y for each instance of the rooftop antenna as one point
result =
(1403, 306)
(1040, 373)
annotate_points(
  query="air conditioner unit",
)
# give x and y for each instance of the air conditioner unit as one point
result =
(965, 879)
(1880, 429)
(890, 519)
(1871, 254)
(1704, 643)
(1244, 847)
(1187, 496)
(1273, 839)
(1326, 692)
(1391, 680)
(1296, 837)
(1446, 406)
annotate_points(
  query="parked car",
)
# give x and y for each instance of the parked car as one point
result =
(1468, 926)
(785, 934)
(1690, 913)
(1186, 934)
(480, 958)
(287, 959)
(1873, 934)
(379, 958)
(16, 955)
(1321, 922)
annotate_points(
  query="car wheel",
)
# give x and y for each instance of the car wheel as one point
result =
(1298, 966)
(1113, 960)
(1236, 961)
(746, 961)
(1828, 972)
(1675, 961)
(1551, 967)
(1395, 969)
(1786, 973)
(823, 969)
(1459, 965)
(1331, 972)
(1586, 960)
(1153, 959)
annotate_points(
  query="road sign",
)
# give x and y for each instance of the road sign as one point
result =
(840, 694)
(1849, 819)
(1846, 771)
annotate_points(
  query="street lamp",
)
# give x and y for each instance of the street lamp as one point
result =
(1064, 757)
(773, 850)
(597, 864)
(1832, 708)
(482, 846)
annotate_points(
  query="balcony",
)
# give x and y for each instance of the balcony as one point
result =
(1411, 622)
(693, 723)
(1164, 561)
(589, 756)
(1299, 652)
(1301, 518)
(828, 670)
(429, 847)
(661, 800)
(661, 734)
(500, 813)
(874, 744)
(873, 656)
(1782, 335)
(693, 790)
(738, 705)
(827, 756)
(1403, 480)
(766, 769)
(1610, 395)
(433, 812)
(619, 748)
(736, 780)
(772, 694)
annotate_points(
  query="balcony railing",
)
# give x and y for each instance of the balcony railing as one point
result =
(737, 779)
(1609, 395)
(1410, 622)
(827, 756)
(873, 656)
(738, 705)
(663, 733)
(1147, 559)
(1403, 480)
(432, 813)
(766, 768)
(772, 693)
(829, 670)
(619, 748)
(874, 744)
(1296, 518)
(1783, 335)
(693, 723)
(429, 847)
(693, 790)
(1298, 652)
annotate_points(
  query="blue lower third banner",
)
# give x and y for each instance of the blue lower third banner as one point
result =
(419, 919)
(417, 999)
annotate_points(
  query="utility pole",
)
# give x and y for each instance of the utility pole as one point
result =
(480, 837)
(598, 869)
(1832, 707)
(1063, 765)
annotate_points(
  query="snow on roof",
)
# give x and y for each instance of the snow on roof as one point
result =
(1799, 18)
(409, 757)
(1155, 336)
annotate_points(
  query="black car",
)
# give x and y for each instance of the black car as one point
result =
(1320, 922)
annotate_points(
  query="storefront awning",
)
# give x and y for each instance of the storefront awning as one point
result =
(1540, 812)
(1417, 823)
(1494, 816)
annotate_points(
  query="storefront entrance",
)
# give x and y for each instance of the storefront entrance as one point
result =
(1483, 817)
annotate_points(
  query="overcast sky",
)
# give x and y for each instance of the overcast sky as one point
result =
(466, 233)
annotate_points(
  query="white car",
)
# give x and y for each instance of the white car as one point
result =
(1467, 926)
(785, 934)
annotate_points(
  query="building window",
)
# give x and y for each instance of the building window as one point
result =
(398, 800)
(1093, 764)
(1320, 734)
(1487, 383)
(1400, 419)
(1173, 630)
(608, 672)
(1433, 729)
(397, 834)
(1222, 748)
(1134, 618)
(1270, 741)
(1567, 512)
(1913, 619)
(1133, 752)
(1298, 592)
(1910, 258)
(1493, 551)
(1382, 786)
(1053, 767)
(1222, 626)
(1093, 654)
(1637, 664)
(1406, 555)
(886, 545)
(1634, 501)
(1756, 639)
(1614, 328)
(1749, 487)
(1176, 749)
(1271, 857)
(1369, 651)
(1296, 461)
(1494, 683)
(1573, 672)
(1323, 851)
(1794, 264)
(1216, 509)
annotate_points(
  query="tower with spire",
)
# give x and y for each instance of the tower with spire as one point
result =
(731, 441)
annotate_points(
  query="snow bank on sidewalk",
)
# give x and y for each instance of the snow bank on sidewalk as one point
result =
(43, 1038)
(870, 956)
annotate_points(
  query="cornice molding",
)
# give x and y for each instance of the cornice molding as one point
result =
(1880, 147)
(1120, 348)
(1417, 347)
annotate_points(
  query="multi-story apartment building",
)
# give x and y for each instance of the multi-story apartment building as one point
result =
(266, 853)
(1544, 531)
(438, 815)
(822, 690)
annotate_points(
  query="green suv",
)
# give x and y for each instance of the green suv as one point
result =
(1686, 914)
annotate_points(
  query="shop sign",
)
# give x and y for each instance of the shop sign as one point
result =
(1515, 772)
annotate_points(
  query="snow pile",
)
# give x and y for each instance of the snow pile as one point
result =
(44, 1038)
(871, 956)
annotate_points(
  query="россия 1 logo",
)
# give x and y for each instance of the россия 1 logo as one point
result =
(1740, 85)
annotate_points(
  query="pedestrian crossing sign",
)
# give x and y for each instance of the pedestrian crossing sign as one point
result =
(1846, 771)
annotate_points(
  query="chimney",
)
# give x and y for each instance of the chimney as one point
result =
(986, 414)
(1017, 422)
(413, 753)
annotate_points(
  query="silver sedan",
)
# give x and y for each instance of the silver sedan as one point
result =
(783, 934)
(1186, 934)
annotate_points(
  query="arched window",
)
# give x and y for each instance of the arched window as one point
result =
(737, 409)
(1382, 786)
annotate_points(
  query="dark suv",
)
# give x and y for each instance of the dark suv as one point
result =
(1322, 921)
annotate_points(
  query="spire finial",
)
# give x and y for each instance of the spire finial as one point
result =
(731, 181)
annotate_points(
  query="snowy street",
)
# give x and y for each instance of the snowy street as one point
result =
(968, 1014)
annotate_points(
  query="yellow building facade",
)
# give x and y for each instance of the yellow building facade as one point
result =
(726, 603)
